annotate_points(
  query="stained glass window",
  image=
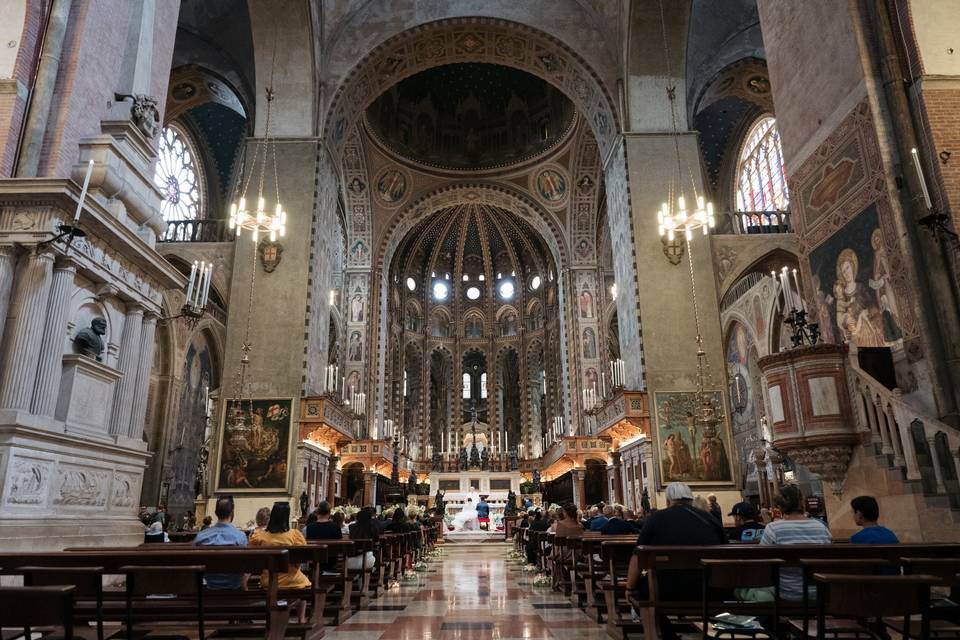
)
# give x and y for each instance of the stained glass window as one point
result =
(179, 179)
(761, 177)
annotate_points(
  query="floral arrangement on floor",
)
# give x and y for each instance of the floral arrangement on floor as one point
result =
(348, 511)
(420, 566)
(530, 568)
(542, 580)
(409, 575)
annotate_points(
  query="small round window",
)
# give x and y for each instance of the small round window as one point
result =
(411, 284)
(473, 293)
(505, 290)
(440, 290)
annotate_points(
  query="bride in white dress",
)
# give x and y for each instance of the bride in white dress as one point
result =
(467, 519)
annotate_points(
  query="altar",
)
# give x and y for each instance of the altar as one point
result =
(457, 486)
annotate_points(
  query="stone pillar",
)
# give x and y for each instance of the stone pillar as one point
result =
(141, 389)
(127, 364)
(617, 478)
(8, 266)
(332, 488)
(369, 488)
(50, 367)
(579, 490)
(22, 348)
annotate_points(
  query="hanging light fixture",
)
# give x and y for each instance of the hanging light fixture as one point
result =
(674, 217)
(260, 221)
(679, 220)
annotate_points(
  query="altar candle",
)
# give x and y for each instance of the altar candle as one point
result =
(796, 281)
(193, 277)
(83, 192)
(206, 287)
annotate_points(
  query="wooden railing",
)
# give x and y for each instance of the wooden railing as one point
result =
(754, 222)
(922, 447)
(202, 230)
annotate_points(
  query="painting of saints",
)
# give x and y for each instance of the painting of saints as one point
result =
(856, 316)
(821, 303)
(586, 305)
(356, 309)
(880, 283)
(589, 344)
(356, 347)
(551, 186)
(591, 378)
(758, 318)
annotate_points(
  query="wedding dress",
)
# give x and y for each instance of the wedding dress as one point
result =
(467, 519)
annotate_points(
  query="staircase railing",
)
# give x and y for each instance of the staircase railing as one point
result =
(923, 447)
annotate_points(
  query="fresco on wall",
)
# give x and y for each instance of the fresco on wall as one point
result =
(256, 458)
(854, 293)
(684, 454)
(740, 377)
(184, 451)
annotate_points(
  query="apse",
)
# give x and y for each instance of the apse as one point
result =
(478, 296)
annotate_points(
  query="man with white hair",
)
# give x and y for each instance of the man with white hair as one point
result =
(679, 524)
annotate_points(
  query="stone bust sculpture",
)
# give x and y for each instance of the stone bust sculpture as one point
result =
(88, 342)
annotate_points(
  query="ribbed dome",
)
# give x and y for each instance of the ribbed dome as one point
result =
(462, 243)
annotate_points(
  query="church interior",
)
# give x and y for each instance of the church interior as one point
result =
(469, 264)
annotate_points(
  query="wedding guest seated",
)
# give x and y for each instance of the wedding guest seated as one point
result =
(223, 534)
(679, 524)
(569, 525)
(155, 533)
(540, 523)
(398, 522)
(341, 521)
(618, 525)
(323, 527)
(866, 513)
(261, 519)
(748, 528)
(793, 528)
(363, 529)
(596, 524)
(207, 523)
(279, 534)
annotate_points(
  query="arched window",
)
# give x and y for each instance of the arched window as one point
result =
(761, 177)
(180, 179)
(466, 386)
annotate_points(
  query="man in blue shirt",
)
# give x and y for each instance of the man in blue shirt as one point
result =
(866, 512)
(597, 523)
(223, 534)
(483, 513)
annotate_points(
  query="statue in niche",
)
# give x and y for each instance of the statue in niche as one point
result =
(463, 460)
(89, 342)
(514, 463)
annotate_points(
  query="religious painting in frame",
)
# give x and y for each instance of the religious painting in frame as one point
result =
(256, 458)
(683, 454)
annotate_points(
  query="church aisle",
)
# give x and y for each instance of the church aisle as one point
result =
(471, 593)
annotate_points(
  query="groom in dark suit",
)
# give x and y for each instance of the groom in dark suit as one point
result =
(483, 513)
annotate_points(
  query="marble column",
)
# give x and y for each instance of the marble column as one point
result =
(369, 488)
(138, 413)
(22, 347)
(617, 477)
(579, 490)
(8, 266)
(50, 366)
(127, 363)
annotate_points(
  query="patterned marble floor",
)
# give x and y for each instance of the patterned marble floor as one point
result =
(471, 593)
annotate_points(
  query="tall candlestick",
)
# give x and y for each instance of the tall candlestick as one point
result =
(923, 181)
(193, 276)
(796, 281)
(83, 192)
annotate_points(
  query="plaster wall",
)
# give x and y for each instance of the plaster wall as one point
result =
(12, 16)
(815, 70)
(935, 30)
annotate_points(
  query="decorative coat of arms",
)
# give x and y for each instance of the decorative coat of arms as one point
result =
(270, 253)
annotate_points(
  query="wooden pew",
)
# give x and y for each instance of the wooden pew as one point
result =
(655, 559)
(221, 606)
(591, 569)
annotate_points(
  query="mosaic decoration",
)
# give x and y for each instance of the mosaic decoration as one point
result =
(391, 187)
